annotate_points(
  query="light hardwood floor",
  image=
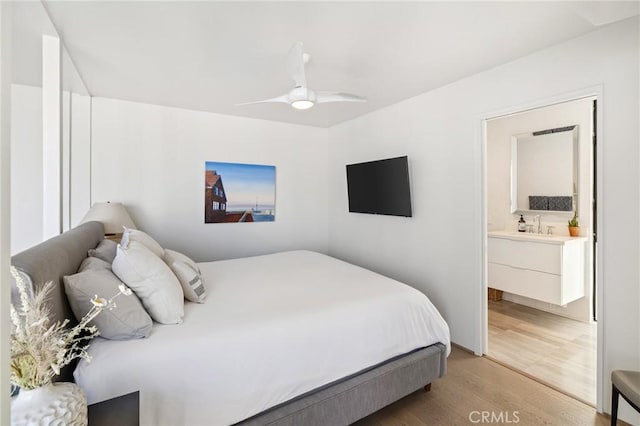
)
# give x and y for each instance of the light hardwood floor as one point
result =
(555, 350)
(476, 384)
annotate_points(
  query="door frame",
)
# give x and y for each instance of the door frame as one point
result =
(481, 313)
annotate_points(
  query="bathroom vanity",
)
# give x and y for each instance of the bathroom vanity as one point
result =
(544, 267)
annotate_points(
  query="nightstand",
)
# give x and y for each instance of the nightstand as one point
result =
(120, 411)
(114, 237)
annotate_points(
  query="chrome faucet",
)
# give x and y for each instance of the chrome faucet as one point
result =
(537, 218)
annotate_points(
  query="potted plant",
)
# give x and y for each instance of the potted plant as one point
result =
(39, 350)
(574, 225)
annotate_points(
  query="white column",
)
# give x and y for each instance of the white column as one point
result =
(51, 137)
(5, 207)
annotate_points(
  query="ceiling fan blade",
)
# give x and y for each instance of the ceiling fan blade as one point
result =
(282, 98)
(295, 64)
(325, 97)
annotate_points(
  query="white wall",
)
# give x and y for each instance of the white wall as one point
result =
(5, 206)
(498, 170)
(151, 158)
(26, 173)
(27, 161)
(440, 249)
(80, 158)
(42, 143)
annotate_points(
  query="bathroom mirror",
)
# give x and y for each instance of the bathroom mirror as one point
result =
(544, 171)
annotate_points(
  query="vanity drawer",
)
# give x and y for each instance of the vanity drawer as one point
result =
(526, 255)
(536, 285)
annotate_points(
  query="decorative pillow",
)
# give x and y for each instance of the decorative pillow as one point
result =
(152, 281)
(143, 238)
(94, 263)
(128, 320)
(188, 274)
(106, 251)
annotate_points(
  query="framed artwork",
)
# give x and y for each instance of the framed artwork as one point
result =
(235, 192)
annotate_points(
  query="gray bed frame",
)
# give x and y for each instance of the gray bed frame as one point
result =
(340, 403)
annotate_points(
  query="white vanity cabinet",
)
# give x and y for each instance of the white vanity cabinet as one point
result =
(547, 268)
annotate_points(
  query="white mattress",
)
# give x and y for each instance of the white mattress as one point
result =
(273, 327)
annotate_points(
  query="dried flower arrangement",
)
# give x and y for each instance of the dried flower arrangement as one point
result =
(39, 349)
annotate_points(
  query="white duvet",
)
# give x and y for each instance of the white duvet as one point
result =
(272, 327)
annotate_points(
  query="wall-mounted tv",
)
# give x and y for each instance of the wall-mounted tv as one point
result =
(380, 187)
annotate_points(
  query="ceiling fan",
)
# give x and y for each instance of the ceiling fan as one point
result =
(301, 97)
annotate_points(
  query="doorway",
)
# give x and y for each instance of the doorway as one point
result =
(540, 175)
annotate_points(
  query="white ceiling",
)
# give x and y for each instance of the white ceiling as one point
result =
(211, 55)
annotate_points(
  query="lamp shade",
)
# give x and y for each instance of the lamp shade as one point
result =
(113, 215)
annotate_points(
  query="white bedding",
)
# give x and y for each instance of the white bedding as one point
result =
(273, 327)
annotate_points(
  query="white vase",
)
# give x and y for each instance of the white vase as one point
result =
(54, 404)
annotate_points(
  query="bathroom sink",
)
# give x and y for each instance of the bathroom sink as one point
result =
(527, 236)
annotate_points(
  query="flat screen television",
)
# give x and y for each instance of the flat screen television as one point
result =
(380, 187)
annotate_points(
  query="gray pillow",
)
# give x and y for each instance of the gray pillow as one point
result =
(94, 263)
(128, 320)
(106, 251)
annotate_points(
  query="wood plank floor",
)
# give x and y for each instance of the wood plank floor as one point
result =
(475, 384)
(558, 351)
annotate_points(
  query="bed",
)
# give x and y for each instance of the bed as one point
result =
(283, 339)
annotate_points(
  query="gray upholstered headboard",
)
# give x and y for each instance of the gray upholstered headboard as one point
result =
(51, 260)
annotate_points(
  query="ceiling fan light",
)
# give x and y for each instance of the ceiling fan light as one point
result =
(302, 104)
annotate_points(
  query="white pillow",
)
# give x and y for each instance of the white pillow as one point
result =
(188, 274)
(142, 237)
(152, 281)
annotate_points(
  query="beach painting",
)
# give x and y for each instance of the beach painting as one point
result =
(236, 192)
